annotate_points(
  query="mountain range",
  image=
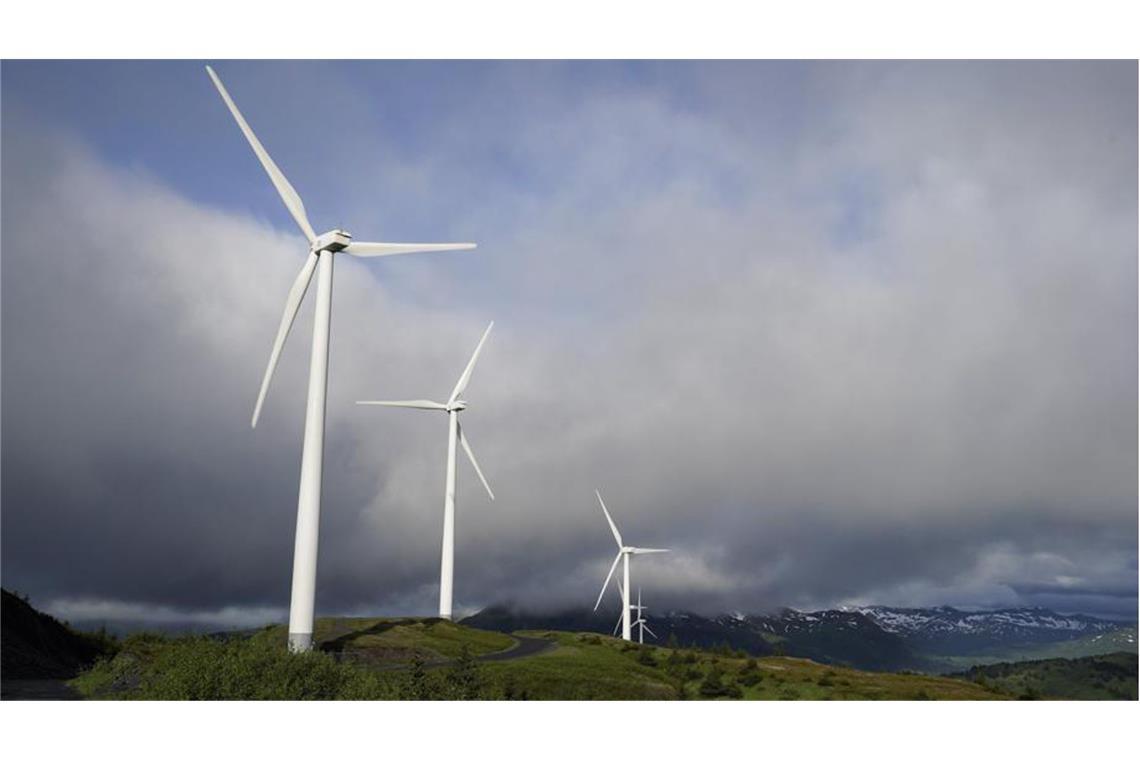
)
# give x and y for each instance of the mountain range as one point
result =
(931, 639)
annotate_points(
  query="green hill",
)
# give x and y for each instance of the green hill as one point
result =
(588, 666)
(1110, 676)
(410, 658)
(1122, 639)
(34, 644)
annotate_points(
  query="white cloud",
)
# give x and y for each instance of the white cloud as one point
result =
(800, 415)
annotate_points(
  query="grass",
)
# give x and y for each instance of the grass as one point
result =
(581, 666)
(394, 640)
(373, 658)
(587, 666)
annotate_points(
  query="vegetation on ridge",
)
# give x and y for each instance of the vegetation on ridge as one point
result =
(575, 666)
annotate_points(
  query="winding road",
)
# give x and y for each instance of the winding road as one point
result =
(527, 646)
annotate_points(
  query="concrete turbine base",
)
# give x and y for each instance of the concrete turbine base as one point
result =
(300, 642)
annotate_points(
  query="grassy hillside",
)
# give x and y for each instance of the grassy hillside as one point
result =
(587, 666)
(1111, 676)
(434, 659)
(36, 645)
(385, 641)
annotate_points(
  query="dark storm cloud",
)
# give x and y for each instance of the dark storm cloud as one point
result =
(878, 345)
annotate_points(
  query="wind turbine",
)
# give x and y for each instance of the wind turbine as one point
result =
(642, 626)
(453, 406)
(623, 555)
(320, 258)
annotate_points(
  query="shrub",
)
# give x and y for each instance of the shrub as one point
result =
(511, 690)
(713, 686)
(749, 678)
(463, 678)
(415, 684)
(199, 668)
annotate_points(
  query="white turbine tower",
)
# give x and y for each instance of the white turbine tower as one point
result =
(623, 555)
(453, 407)
(642, 626)
(320, 258)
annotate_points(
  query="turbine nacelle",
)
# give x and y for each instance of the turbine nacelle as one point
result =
(458, 405)
(333, 240)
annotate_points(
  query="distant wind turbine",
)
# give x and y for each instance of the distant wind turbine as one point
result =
(320, 258)
(453, 407)
(623, 555)
(642, 626)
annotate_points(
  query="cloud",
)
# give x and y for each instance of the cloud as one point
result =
(838, 351)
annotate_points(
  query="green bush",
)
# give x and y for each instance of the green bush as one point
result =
(464, 679)
(200, 668)
(750, 675)
(645, 657)
(415, 685)
(713, 686)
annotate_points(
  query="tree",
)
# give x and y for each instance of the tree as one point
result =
(463, 677)
(415, 686)
(672, 643)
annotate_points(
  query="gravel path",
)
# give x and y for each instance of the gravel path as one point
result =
(527, 647)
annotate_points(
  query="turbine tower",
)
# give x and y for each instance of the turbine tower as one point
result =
(320, 259)
(623, 555)
(453, 407)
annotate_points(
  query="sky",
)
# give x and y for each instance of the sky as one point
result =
(836, 333)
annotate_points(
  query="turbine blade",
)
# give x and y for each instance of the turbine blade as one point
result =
(620, 588)
(292, 304)
(636, 550)
(651, 633)
(617, 625)
(617, 535)
(284, 189)
(366, 249)
(414, 404)
(471, 456)
(608, 576)
(466, 376)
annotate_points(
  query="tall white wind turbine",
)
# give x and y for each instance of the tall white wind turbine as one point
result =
(453, 406)
(623, 555)
(320, 258)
